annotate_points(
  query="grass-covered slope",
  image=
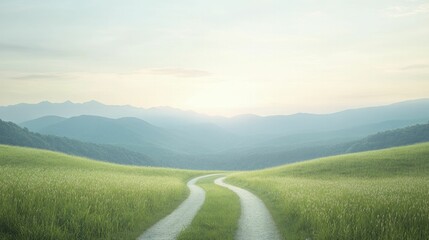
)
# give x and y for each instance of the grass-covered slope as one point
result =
(47, 195)
(372, 195)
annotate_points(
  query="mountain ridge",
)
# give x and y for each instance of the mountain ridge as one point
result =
(12, 134)
(164, 109)
(190, 146)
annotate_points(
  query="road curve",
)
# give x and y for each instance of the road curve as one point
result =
(170, 227)
(255, 221)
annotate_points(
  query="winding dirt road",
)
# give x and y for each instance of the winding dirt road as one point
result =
(170, 227)
(255, 221)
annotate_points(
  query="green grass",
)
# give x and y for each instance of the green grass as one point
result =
(47, 195)
(218, 217)
(372, 195)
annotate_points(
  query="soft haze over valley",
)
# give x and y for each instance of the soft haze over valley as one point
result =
(171, 137)
(214, 120)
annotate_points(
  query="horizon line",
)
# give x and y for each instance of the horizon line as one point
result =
(93, 101)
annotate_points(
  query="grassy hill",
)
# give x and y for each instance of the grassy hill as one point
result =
(268, 157)
(47, 195)
(380, 194)
(12, 134)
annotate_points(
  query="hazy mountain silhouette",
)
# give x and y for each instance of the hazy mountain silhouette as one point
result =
(255, 157)
(188, 138)
(160, 116)
(410, 111)
(246, 125)
(42, 123)
(12, 134)
(137, 135)
(392, 138)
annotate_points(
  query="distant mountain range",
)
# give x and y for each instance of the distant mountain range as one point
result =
(279, 125)
(160, 116)
(386, 139)
(137, 135)
(191, 140)
(12, 134)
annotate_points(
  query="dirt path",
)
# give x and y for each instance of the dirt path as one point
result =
(169, 227)
(255, 221)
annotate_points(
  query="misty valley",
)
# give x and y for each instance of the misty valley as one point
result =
(173, 138)
(214, 120)
(163, 173)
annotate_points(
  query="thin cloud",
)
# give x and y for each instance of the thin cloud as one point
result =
(405, 11)
(415, 67)
(176, 72)
(30, 50)
(38, 77)
(405, 68)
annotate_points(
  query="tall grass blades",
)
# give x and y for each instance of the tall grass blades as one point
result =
(374, 195)
(46, 195)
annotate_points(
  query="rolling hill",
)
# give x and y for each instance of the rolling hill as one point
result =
(383, 194)
(12, 134)
(371, 195)
(47, 195)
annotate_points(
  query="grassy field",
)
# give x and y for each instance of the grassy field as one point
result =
(218, 217)
(373, 195)
(47, 195)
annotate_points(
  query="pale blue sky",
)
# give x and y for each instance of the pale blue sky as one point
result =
(217, 57)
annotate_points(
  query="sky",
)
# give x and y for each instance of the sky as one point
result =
(218, 57)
